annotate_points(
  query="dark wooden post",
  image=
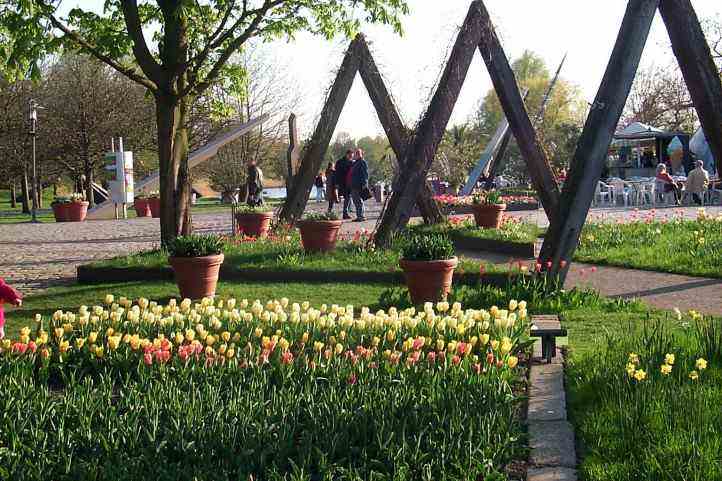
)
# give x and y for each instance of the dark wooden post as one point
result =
(511, 101)
(563, 234)
(698, 68)
(425, 142)
(293, 158)
(393, 126)
(314, 151)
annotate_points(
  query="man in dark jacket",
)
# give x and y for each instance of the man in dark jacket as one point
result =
(359, 181)
(341, 172)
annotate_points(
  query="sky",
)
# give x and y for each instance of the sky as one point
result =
(411, 64)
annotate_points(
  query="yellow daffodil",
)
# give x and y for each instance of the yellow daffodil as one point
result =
(700, 364)
(640, 375)
(633, 358)
(666, 369)
(669, 359)
(694, 375)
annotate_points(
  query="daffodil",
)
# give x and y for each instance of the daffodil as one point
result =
(640, 375)
(669, 359)
(694, 375)
(700, 364)
(666, 369)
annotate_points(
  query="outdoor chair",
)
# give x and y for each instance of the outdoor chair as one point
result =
(603, 193)
(623, 190)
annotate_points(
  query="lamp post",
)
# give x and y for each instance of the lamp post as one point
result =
(33, 133)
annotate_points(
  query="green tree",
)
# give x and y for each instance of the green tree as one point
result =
(193, 43)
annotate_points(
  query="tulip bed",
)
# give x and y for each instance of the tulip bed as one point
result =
(231, 389)
(512, 229)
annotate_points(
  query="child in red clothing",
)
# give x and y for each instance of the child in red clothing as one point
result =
(11, 296)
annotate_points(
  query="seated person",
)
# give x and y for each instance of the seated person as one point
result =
(665, 183)
(697, 182)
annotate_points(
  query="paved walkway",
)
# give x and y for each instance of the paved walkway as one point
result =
(36, 256)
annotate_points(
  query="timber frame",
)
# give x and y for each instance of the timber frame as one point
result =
(358, 59)
(566, 212)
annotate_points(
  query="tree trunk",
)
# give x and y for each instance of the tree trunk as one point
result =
(173, 168)
(25, 191)
(38, 190)
(88, 187)
(13, 195)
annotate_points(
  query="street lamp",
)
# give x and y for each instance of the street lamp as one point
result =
(33, 133)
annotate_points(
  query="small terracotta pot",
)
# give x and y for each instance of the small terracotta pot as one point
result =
(196, 277)
(60, 211)
(142, 207)
(76, 211)
(488, 216)
(319, 235)
(154, 205)
(254, 225)
(428, 281)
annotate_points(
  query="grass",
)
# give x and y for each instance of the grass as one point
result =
(690, 247)
(286, 254)
(659, 427)
(511, 230)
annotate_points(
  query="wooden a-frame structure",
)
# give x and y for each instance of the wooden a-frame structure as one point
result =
(358, 58)
(567, 213)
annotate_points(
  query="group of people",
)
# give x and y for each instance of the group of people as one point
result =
(347, 179)
(697, 182)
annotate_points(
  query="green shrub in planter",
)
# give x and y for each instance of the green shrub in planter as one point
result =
(427, 247)
(195, 246)
(321, 217)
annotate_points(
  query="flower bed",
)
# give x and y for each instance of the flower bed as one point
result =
(452, 204)
(281, 257)
(514, 237)
(646, 402)
(658, 242)
(249, 390)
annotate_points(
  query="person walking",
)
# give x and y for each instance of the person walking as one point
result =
(340, 180)
(254, 185)
(359, 184)
(331, 193)
(697, 182)
(320, 184)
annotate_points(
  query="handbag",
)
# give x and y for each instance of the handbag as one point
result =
(366, 193)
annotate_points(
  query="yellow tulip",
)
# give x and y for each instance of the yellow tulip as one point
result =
(92, 337)
(339, 348)
(512, 362)
(99, 352)
(226, 336)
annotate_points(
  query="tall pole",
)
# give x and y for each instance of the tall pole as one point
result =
(33, 134)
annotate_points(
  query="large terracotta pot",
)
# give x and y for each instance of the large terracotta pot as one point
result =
(488, 216)
(76, 211)
(254, 225)
(319, 235)
(142, 207)
(60, 211)
(154, 205)
(196, 277)
(428, 281)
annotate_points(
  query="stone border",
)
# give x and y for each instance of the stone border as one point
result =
(525, 250)
(89, 274)
(552, 454)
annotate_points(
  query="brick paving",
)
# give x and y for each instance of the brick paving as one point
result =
(36, 256)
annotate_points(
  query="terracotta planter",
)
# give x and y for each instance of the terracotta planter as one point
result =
(76, 211)
(142, 207)
(154, 206)
(254, 225)
(60, 211)
(319, 235)
(196, 277)
(428, 281)
(488, 216)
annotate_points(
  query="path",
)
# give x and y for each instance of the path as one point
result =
(36, 256)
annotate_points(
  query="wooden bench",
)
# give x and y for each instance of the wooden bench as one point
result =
(548, 328)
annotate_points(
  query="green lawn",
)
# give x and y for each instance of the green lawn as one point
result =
(691, 247)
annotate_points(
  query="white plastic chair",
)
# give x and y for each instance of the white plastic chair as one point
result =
(623, 190)
(603, 195)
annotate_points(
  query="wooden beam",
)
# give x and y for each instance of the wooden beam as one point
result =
(393, 126)
(511, 101)
(563, 234)
(698, 68)
(428, 135)
(314, 151)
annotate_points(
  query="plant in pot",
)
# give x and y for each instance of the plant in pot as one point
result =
(141, 205)
(196, 261)
(319, 232)
(153, 201)
(253, 221)
(70, 209)
(488, 208)
(428, 262)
